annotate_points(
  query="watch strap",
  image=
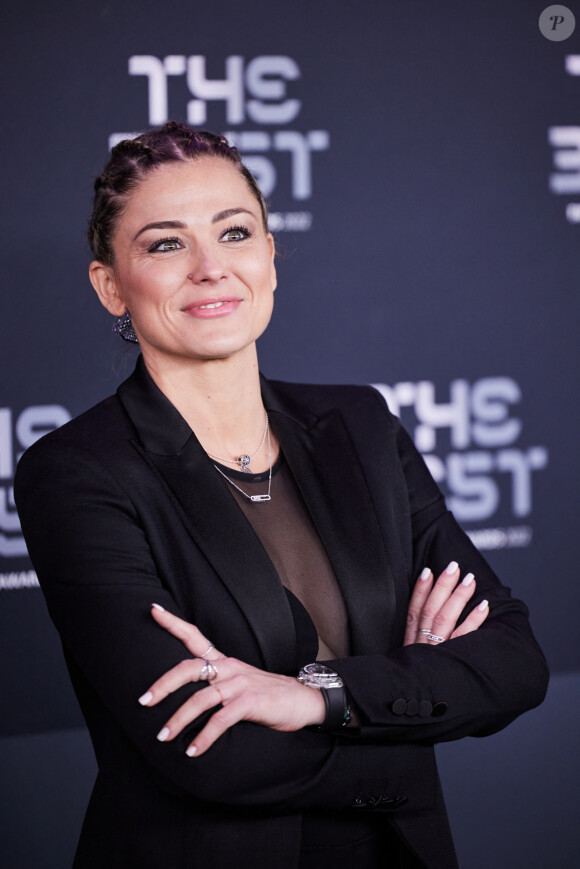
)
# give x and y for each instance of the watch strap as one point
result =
(337, 708)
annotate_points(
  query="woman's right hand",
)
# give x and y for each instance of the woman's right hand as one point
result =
(434, 608)
(238, 691)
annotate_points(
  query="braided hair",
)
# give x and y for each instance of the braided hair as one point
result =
(132, 159)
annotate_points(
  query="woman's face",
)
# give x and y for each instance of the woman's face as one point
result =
(193, 263)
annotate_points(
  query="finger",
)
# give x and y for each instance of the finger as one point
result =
(191, 637)
(220, 721)
(419, 596)
(241, 702)
(446, 619)
(189, 670)
(188, 712)
(474, 620)
(440, 594)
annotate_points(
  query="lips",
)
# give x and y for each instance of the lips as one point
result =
(216, 307)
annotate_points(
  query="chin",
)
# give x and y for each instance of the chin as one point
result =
(220, 351)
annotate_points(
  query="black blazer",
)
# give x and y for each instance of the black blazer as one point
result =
(121, 507)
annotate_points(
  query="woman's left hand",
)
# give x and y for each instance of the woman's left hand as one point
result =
(435, 608)
(244, 692)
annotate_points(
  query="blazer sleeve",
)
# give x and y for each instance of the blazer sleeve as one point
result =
(99, 576)
(471, 685)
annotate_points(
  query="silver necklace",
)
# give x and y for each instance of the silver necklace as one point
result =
(266, 496)
(243, 461)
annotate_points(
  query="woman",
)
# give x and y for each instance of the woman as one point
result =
(287, 524)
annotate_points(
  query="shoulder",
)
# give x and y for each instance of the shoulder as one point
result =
(103, 422)
(319, 399)
(99, 433)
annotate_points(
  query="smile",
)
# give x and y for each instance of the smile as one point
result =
(207, 308)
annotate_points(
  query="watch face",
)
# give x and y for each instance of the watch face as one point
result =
(320, 670)
(320, 676)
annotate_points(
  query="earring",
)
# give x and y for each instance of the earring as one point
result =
(124, 327)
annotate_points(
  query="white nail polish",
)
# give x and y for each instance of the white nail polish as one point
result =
(483, 605)
(191, 751)
(163, 734)
(425, 574)
(468, 579)
(451, 567)
(158, 606)
(146, 698)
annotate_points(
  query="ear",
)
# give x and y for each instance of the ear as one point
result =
(272, 246)
(103, 280)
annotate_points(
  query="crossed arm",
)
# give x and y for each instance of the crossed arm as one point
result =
(245, 693)
(94, 558)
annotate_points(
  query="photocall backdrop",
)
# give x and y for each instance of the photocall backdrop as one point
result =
(422, 164)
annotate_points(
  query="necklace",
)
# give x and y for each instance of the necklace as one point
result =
(266, 496)
(243, 461)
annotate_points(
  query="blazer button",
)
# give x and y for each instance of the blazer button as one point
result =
(439, 709)
(412, 707)
(425, 709)
(399, 706)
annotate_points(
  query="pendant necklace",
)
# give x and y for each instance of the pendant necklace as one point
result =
(243, 461)
(265, 496)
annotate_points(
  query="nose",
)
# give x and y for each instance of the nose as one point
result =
(207, 267)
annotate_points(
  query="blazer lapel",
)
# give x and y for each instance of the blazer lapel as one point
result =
(327, 471)
(324, 462)
(213, 519)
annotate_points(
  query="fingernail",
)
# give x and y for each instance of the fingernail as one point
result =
(483, 605)
(163, 734)
(468, 579)
(451, 567)
(425, 574)
(158, 606)
(146, 698)
(191, 751)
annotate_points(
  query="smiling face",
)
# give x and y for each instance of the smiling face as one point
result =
(192, 263)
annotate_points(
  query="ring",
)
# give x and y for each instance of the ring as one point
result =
(220, 693)
(423, 630)
(208, 671)
(208, 650)
(435, 639)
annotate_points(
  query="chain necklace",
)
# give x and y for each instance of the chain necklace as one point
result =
(243, 461)
(266, 496)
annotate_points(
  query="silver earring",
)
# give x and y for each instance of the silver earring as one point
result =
(124, 327)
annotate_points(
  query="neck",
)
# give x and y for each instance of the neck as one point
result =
(220, 400)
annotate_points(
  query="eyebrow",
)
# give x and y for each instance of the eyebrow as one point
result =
(160, 224)
(229, 212)
(177, 224)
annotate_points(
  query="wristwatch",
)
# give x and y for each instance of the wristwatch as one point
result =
(331, 686)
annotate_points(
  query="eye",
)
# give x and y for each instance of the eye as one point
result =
(165, 245)
(236, 233)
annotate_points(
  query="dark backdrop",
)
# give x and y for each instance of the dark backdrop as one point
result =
(422, 162)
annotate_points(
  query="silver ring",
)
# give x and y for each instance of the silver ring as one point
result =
(435, 639)
(207, 651)
(208, 671)
(423, 630)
